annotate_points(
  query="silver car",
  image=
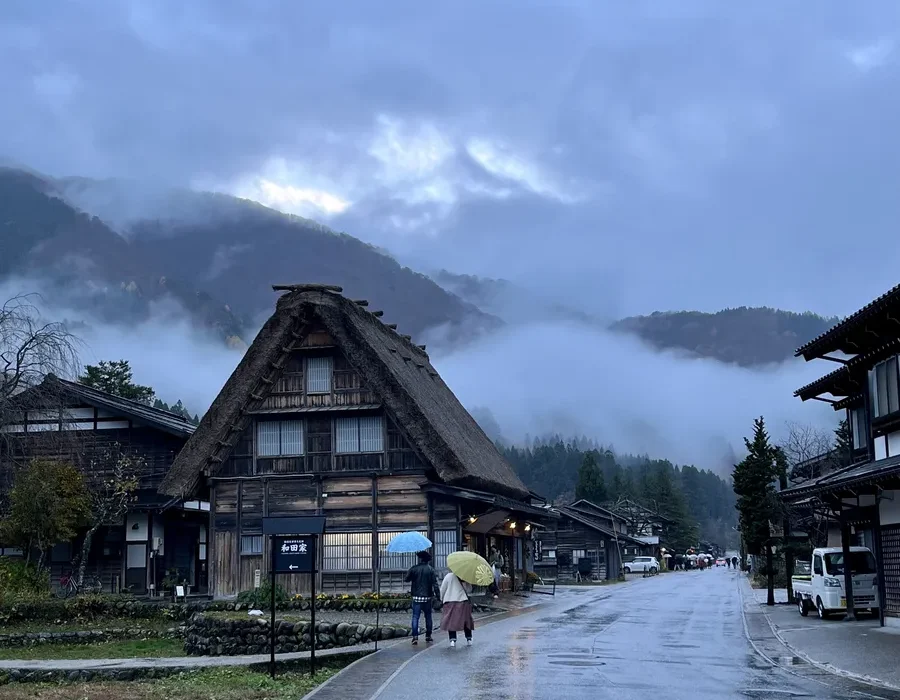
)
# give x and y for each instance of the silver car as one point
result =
(642, 564)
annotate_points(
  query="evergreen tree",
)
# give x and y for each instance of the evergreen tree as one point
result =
(843, 443)
(757, 504)
(591, 485)
(115, 377)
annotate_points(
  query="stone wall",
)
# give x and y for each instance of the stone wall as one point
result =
(33, 639)
(207, 636)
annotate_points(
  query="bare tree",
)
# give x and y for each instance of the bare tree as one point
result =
(802, 445)
(30, 349)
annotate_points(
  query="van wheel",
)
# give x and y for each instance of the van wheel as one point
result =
(876, 612)
(823, 613)
(627, 569)
(802, 606)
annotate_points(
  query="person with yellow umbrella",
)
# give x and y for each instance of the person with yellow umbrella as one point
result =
(466, 569)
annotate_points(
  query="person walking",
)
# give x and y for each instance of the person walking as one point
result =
(423, 587)
(734, 562)
(496, 562)
(456, 610)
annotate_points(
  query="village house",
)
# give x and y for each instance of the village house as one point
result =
(644, 525)
(69, 422)
(333, 412)
(860, 492)
(587, 541)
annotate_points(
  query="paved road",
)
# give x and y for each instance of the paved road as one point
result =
(678, 636)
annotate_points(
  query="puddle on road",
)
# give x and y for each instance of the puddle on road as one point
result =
(575, 659)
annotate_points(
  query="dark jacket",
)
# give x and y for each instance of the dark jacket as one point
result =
(423, 581)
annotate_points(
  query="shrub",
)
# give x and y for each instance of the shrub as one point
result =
(262, 597)
(20, 578)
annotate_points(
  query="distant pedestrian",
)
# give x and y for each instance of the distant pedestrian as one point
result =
(496, 561)
(456, 610)
(734, 562)
(728, 563)
(423, 587)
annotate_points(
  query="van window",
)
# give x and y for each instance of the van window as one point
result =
(817, 565)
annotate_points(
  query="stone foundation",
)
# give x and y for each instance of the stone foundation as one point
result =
(207, 636)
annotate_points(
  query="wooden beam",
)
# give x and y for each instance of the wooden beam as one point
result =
(307, 288)
(834, 359)
(377, 314)
(392, 326)
(361, 302)
(824, 400)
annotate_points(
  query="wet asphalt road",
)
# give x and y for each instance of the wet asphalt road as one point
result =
(680, 635)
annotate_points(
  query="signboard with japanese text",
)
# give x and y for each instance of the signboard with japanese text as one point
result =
(294, 554)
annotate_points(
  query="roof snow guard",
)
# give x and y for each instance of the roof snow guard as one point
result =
(860, 331)
(398, 371)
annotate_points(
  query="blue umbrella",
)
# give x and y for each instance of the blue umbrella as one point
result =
(408, 542)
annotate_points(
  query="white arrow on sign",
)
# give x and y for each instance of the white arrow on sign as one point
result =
(292, 567)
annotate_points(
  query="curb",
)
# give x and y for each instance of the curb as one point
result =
(828, 668)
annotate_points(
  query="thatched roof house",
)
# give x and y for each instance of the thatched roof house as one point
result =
(396, 370)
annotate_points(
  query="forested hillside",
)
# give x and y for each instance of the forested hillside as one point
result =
(701, 502)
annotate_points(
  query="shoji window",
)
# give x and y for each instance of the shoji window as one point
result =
(318, 375)
(279, 438)
(347, 551)
(364, 434)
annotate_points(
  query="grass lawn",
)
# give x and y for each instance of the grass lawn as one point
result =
(82, 625)
(123, 649)
(212, 684)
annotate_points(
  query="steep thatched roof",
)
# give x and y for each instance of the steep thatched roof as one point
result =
(400, 373)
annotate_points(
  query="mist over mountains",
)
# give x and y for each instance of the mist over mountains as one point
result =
(165, 277)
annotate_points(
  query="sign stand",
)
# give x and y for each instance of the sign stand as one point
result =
(294, 551)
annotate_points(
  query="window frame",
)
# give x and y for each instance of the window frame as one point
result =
(884, 388)
(359, 441)
(329, 380)
(252, 552)
(280, 423)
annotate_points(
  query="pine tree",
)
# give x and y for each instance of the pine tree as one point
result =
(116, 378)
(591, 485)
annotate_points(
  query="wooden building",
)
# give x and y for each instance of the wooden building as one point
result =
(333, 412)
(88, 428)
(644, 525)
(860, 492)
(584, 531)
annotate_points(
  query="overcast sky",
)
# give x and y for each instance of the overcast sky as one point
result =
(657, 155)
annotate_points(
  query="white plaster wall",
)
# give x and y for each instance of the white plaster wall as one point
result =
(889, 508)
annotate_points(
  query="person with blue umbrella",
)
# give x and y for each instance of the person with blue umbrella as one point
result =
(423, 586)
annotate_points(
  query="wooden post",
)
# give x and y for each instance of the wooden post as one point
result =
(879, 559)
(312, 611)
(848, 576)
(272, 603)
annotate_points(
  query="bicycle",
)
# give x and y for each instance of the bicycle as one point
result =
(68, 585)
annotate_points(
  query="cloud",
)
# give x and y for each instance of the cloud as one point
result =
(544, 378)
(164, 350)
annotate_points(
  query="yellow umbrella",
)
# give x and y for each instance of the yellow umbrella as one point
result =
(471, 568)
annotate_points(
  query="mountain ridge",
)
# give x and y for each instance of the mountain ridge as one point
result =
(217, 256)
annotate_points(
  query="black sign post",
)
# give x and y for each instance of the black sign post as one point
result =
(294, 551)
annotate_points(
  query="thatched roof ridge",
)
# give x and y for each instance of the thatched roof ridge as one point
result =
(398, 371)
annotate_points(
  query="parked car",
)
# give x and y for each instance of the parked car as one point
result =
(823, 589)
(643, 564)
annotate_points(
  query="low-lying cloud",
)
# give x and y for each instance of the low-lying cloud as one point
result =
(572, 379)
(536, 379)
